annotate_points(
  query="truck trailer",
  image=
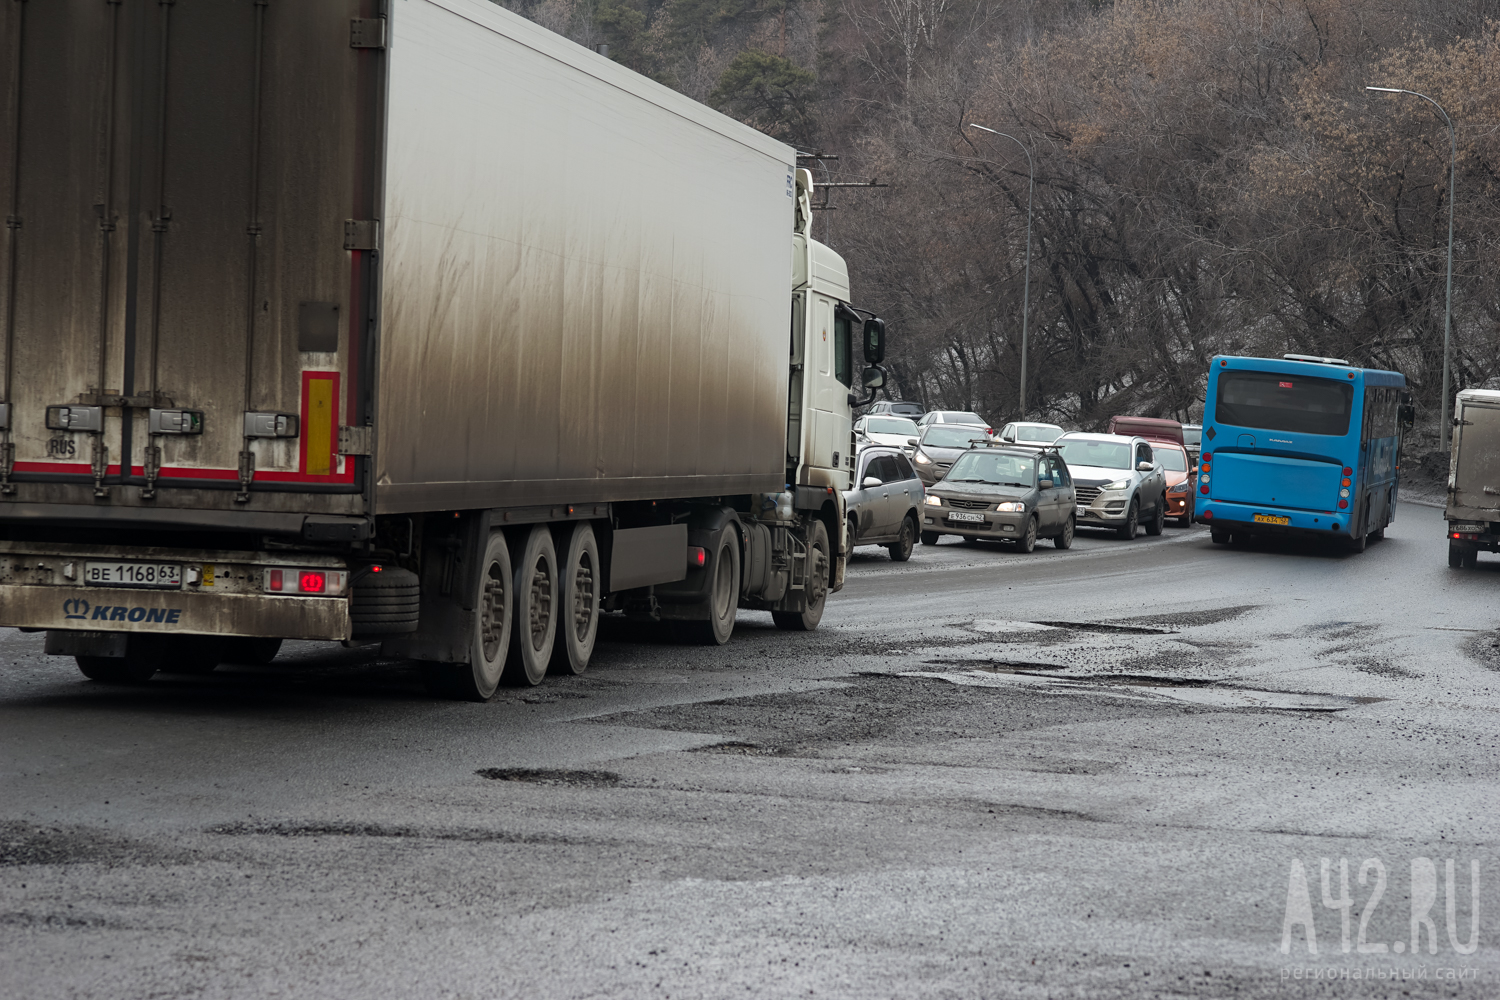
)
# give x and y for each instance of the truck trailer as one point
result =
(404, 322)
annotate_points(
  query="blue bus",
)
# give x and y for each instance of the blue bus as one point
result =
(1300, 445)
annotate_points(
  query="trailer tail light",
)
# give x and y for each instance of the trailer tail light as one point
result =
(318, 582)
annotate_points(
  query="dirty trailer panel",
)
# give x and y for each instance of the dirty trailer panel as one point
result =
(176, 178)
(585, 277)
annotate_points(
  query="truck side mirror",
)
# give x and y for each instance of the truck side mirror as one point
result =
(873, 378)
(874, 341)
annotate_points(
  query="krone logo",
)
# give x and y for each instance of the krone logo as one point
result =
(76, 607)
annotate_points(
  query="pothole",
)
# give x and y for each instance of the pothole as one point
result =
(737, 748)
(385, 830)
(545, 776)
(1110, 629)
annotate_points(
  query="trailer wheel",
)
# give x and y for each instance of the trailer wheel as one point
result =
(723, 594)
(817, 586)
(493, 615)
(138, 665)
(183, 654)
(578, 619)
(256, 652)
(536, 611)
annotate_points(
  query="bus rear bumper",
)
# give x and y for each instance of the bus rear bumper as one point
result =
(1239, 517)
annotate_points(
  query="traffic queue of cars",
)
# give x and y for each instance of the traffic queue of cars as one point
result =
(954, 475)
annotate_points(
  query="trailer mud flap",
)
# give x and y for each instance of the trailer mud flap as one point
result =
(103, 609)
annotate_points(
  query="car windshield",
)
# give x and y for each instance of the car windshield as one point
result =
(1043, 433)
(952, 436)
(1099, 454)
(1293, 403)
(997, 470)
(890, 425)
(1171, 459)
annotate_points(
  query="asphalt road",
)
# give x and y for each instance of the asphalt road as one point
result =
(1092, 773)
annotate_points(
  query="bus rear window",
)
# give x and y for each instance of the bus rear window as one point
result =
(1293, 403)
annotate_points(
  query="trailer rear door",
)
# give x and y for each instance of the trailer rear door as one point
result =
(177, 179)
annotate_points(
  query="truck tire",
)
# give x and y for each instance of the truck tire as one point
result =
(384, 602)
(1471, 558)
(494, 614)
(723, 593)
(115, 670)
(817, 586)
(578, 617)
(181, 654)
(1455, 556)
(255, 652)
(536, 605)
(144, 654)
(1127, 530)
(900, 549)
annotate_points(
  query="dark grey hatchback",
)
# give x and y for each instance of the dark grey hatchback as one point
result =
(1002, 493)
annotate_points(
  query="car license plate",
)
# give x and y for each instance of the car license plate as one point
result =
(1472, 528)
(152, 576)
(1271, 519)
(956, 515)
(1083, 512)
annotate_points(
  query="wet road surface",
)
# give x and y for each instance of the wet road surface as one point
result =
(1092, 773)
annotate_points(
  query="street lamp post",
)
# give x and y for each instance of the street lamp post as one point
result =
(1448, 308)
(1026, 283)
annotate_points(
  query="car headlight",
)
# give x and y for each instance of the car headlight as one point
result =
(1011, 507)
(1181, 487)
(1123, 484)
(933, 501)
(922, 459)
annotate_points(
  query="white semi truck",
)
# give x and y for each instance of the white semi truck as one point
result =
(400, 321)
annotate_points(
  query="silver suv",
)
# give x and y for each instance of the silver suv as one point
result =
(1117, 481)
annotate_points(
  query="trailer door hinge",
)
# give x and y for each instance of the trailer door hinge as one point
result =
(367, 33)
(354, 440)
(361, 234)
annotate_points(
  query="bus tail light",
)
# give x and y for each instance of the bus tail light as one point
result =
(1348, 471)
(1203, 490)
(1343, 504)
(317, 582)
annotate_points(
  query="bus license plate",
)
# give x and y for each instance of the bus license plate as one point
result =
(1271, 519)
(152, 576)
(962, 516)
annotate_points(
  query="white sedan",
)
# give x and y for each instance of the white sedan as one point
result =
(894, 432)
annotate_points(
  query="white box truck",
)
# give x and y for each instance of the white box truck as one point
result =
(400, 321)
